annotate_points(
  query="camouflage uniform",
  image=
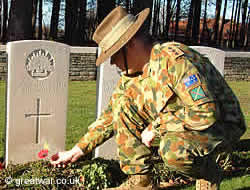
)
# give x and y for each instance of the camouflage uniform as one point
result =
(182, 98)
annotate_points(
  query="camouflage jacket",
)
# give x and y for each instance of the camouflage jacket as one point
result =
(178, 90)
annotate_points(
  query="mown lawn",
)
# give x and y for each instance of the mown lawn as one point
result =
(81, 112)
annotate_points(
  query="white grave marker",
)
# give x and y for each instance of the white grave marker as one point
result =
(108, 77)
(36, 99)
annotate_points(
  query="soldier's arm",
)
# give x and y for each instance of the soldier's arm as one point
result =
(198, 110)
(98, 132)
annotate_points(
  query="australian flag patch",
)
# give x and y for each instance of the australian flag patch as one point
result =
(191, 80)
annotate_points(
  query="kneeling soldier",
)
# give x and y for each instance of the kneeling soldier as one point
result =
(167, 92)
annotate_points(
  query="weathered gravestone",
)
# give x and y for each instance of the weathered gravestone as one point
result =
(216, 56)
(108, 77)
(36, 99)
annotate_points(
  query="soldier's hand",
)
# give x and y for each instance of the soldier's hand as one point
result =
(147, 137)
(61, 159)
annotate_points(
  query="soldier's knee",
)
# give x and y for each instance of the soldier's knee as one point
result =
(173, 151)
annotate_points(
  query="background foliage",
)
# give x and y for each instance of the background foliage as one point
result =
(219, 23)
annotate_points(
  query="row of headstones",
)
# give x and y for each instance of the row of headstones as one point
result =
(37, 98)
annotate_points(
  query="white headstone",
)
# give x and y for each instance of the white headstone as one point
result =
(216, 56)
(108, 77)
(36, 99)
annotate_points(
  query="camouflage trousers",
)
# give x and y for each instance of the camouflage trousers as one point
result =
(189, 152)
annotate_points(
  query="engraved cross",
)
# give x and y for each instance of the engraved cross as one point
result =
(37, 115)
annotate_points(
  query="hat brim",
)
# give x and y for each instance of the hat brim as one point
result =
(124, 38)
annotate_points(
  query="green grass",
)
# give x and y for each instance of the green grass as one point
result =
(81, 110)
(236, 183)
(242, 91)
(2, 117)
(81, 113)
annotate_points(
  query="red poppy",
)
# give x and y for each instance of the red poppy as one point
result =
(43, 153)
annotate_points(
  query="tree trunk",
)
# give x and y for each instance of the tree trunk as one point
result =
(104, 7)
(20, 22)
(40, 20)
(68, 21)
(231, 26)
(5, 19)
(221, 35)
(217, 21)
(178, 8)
(248, 33)
(156, 16)
(168, 20)
(243, 24)
(155, 13)
(204, 26)
(71, 21)
(237, 25)
(75, 17)
(158, 28)
(128, 5)
(138, 6)
(196, 22)
(163, 17)
(34, 17)
(54, 19)
(234, 24)
(1, 3)
(81, 21)
(190, 22)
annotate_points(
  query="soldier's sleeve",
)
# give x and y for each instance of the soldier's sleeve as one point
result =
(197, 110)
(99, 131)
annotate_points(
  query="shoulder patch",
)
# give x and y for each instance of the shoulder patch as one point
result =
(197, 93)
(190, 80)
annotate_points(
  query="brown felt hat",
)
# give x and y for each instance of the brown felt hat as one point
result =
(117, 28)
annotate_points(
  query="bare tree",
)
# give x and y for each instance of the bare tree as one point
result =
(204, 25)
(223, 23)
(5, 19)
(178, 9)
(248, 32)
(156, 15)
(40, 20)
(231, 26)
(217, 20)
(190, 22)
(237, 25)
(103, 8)
(20, 22)
(34, 17)
(128, 5)
(75, 16)
(82, 21)
(163, 5)
(196, 21)
(243, 24)
(138, 6)
(168, 20)
(69, 22)
(54, 19)
(1, 17)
